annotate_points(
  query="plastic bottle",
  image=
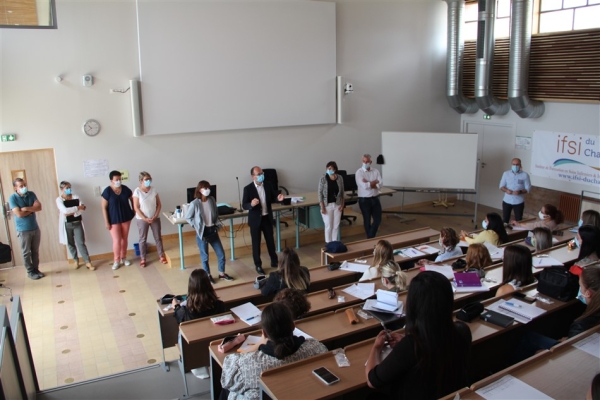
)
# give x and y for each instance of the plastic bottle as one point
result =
(178, 212)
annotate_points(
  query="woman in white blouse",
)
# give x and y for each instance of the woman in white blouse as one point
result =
(70, 224)
(146, 204)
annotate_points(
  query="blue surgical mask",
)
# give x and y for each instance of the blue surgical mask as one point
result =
(515, 168)
(260, 178)
(148, 183)
(366, 166)
(581, 297)
(68, 191)
(330, 172)
(23, 190)
(577, 243)
(484, 224)
(580, 222)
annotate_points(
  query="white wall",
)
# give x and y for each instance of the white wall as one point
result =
(576, 118)
(392, 51)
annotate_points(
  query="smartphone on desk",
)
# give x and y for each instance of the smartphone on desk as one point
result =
(524, 297)
(326, 376)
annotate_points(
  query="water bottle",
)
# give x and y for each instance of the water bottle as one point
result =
(178, 212)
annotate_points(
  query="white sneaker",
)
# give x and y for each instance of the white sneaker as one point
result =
(116, 265)
(125, 262)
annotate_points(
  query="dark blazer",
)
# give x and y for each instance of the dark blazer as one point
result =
(255, 213)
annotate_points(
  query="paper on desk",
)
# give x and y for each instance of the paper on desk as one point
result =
(462, 243)
(509, 387)
(361, 290)
(297, 199)
(445, 270)
(298, 332)
(349, 266)
(520, 228)
(428, 249)
(543, 262)
(590, 345)
(574, 230)
(249, 343)
(248, 313)
(412, 252)
(524, 312)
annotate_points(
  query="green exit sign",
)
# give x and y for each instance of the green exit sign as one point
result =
(9, 138)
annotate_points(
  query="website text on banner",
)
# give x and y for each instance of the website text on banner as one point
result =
(567, 157)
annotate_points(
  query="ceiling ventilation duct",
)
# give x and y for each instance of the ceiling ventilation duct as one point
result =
(518, 69)
(484, 66)
(454, 60)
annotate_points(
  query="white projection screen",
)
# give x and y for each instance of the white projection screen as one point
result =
(429, 160)
(223, 65)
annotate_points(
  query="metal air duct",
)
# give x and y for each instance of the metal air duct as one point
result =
(454, 59)
(518, 68)
(484, 66)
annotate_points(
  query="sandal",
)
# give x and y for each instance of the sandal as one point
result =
(143, 263)
(163, 260)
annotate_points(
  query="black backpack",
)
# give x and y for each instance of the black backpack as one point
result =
(558, 283)
(5, 253)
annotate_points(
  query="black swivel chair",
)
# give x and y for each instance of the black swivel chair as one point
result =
(271, 177)
(349, 185)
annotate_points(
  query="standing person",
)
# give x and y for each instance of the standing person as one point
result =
(331, 200)
(515, 184)
(203, 216)
(70, 224)
(147, 205)
(24, 204)
(431, 359)
(257, 199)
(368, 181)
(118, 213)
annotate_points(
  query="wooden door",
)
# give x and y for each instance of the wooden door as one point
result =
(39, 169)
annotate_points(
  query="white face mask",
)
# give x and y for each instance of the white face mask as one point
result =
(542, 215)
(117, 183)
(440, 242)
(205, 192)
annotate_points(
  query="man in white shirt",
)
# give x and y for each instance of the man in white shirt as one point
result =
(369, 182)
(515, 184)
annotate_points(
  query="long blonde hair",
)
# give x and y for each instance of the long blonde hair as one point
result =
(383, 253)
(392, 272)
(291, 273)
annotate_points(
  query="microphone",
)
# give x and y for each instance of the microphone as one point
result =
(239, 196)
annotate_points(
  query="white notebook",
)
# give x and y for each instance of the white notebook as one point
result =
(386, 302)
(517, 309)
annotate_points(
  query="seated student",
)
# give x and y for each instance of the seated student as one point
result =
(541, 239)
(202, 300)
(594, 392)
(550, 217)
(295, 300)
(588, 241)
(590, 217)
(477, 258)
(392, 277)
(450, 249)
(493, 231)
(382, 253)
(431, 359)
(290, 274)
(241, 371)
(517, 269)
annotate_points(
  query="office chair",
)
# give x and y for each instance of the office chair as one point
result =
(349, 185)
(271, 177)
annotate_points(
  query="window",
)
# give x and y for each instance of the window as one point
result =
(568, 15)
(502, 23)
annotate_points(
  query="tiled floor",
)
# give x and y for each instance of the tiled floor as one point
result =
(84, 324)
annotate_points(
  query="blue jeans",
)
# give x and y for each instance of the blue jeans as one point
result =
(215, 242)
(370, 207)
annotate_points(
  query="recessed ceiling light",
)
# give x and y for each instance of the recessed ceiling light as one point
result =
(9, 11)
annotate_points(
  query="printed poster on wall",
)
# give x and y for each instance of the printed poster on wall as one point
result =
(567, 157)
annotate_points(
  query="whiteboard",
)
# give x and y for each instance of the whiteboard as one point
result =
(429, 160)
(222, 65)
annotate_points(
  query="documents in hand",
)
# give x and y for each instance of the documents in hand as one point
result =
(361, 290)
(356, 267)
(467, 282)
(590, 345)
(509, 387)
(249, 344)
(386, 302)
(445, 270)
(543, 262)
(517, 309)
(248, 313)
(428, 249)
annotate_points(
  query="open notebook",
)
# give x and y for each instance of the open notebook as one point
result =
(517, 309)
(386, 302)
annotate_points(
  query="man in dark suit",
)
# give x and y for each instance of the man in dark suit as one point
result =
(257, 199)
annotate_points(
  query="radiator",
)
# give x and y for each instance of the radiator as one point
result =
(569, 205)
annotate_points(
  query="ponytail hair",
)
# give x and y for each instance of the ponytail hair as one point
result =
(555, 214)
(392, 272)
(278, 326)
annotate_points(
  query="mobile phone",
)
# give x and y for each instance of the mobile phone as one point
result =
(227, 339)
(524, 297)
(326, 376)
